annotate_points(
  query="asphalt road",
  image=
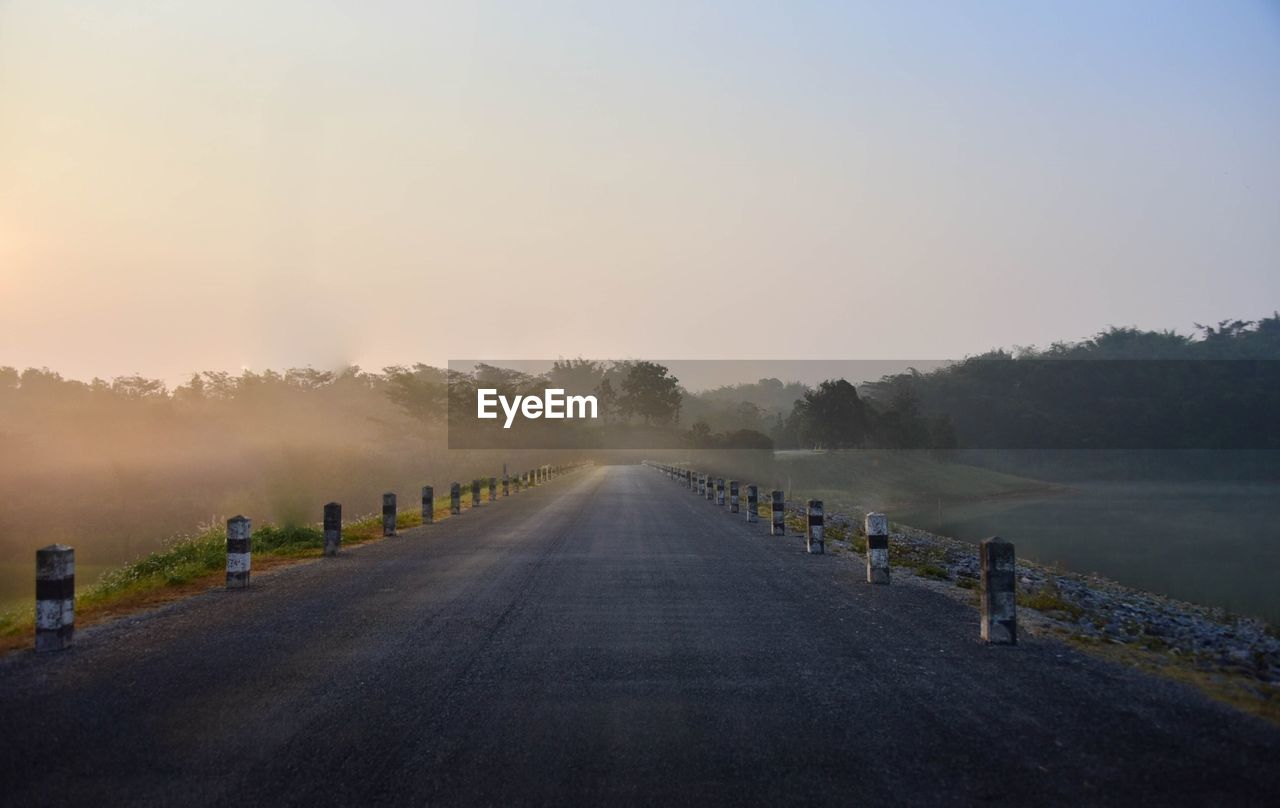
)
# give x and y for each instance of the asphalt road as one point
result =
(606, 639)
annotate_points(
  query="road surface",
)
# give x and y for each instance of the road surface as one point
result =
(606, 639)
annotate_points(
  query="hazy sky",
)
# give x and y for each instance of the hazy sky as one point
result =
(216, 185)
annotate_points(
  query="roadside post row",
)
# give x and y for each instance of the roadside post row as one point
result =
(56, 566)
(998, 624)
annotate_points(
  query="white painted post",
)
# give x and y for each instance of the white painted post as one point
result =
(814, 542)
(733, 496)
(997, 593)
(753, 503)
(877, 525)
(55, 597)
(239, 552)
(777, 512)
(720, 491)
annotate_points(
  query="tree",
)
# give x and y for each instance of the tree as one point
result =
(607, 398)
(419, 391)
(832, 416)
(578, 376)
(901, 426)
(650, 392)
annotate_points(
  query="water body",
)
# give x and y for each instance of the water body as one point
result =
(1216, 543)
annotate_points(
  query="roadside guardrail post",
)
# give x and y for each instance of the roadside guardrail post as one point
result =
(877, 525)
(506, 483)
(733, 496)
(332, 528)
(428, 505)
(753, 503)
(997, 593)
(239, 552)
(720, 491)
(455, 499)
(778, 507)
(813, 539)
(493, 489)
(55, 597)
(475, 493)
(388, 514)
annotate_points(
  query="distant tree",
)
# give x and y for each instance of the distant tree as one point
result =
(700, 435)
(650, 392)
(746, 439)
(607, 398)
(418, 391)
(579, 376)
(901, 426)
(832, 416)
(138, 387)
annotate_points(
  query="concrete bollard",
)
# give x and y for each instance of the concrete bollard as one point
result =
(239, 552)
(475, 493)
(455, 499)
(720, 491)
(733, 496)
(813, 539)
(388, 514)
(997, 593)
(877, 525)
(753, 503)
(428, 505)
(493, 489)
(778, 514)
(55, 597)
(332, 528)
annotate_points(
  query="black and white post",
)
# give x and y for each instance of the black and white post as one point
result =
(475, 493)
(733, 496)
(388, 514)
(239, 552)
(877, 525)
(506, 482)
(493, 489)
(720, 491)
(55, 597)
(813, 538)
(332, 528)
(997, 594)
(455, 499)
(778, 514)
(753, 503)
(428, 505)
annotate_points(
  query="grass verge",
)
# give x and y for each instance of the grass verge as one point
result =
(194, 563)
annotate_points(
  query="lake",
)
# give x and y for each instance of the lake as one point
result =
(1213, 543)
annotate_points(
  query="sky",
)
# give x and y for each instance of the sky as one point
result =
(190, 186)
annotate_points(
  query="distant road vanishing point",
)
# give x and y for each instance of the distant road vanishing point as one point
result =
(608, 639)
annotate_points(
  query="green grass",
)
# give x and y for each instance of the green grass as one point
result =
(187, 559)
(1048, 599)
